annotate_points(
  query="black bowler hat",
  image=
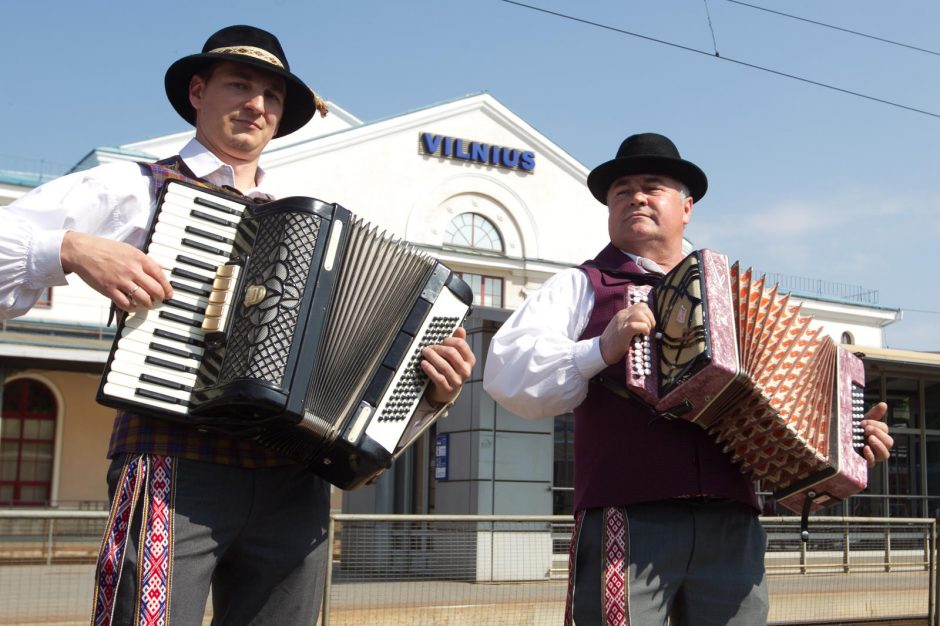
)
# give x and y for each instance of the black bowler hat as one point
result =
(255, 47)
(647, 153)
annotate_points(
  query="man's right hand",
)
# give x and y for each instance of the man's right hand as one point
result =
(626, 324)
(119, 271)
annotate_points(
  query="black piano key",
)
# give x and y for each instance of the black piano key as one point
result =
(162, 382)
(208, 217)
(198, 245)
(203, 265)
(185, 306)
(201, 278)
(196, 291)
(165, 349)
(153, 395)
(179, 319)
(217, 206)
(166, 334)
(205, 234)
(170, 365)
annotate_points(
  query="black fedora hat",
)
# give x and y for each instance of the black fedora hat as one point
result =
(647, 153)
(252, 46)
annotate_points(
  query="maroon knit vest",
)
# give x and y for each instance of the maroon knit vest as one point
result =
(626, 454)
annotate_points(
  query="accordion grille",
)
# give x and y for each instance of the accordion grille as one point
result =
(378, 282)
(683, 342)
(259, 345)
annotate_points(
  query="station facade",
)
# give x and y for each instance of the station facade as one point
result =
(476, 186)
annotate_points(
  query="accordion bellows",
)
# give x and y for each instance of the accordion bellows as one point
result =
(736, 357)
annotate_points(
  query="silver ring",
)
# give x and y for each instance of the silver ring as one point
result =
(130, 294)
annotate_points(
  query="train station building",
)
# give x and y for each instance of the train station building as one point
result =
(476, 186)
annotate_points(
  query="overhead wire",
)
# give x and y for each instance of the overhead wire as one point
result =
(711, 28)
(839, 28)
(715, 55)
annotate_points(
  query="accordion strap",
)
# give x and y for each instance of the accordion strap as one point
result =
(621, 390)
(639, 278)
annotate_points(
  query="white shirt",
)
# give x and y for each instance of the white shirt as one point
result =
(536, 367)
(114, 201)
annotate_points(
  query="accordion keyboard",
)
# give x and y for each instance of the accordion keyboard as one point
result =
(156, 359)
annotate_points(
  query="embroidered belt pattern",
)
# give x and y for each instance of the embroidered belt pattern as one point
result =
(156, 557)
(616, 611)
(572, 556)
(151, 477)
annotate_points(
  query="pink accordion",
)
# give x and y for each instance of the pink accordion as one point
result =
(733, 356)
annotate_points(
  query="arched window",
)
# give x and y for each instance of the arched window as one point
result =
(27, 443)
(847, 338)
(472, 230)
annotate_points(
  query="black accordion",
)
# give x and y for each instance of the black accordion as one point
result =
(292, 322)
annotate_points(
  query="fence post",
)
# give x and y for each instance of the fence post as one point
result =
(49, 540)
(932, 593)
(845, 547)
(803, 552)
(328, 579)
(887, 547)
(927, 547)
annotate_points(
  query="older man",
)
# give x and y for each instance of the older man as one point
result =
(218, 510)
(666, 525)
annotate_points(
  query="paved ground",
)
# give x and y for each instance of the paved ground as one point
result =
(61, 595)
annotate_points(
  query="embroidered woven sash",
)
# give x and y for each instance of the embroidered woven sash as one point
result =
(614, 585)
(147, 482)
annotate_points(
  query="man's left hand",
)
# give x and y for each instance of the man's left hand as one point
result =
(878, 442)
(448, 366)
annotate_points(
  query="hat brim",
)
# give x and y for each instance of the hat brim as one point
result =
(299, 99)
(603, 176)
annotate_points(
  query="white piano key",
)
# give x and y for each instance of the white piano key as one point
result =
(132, 382)
(178, 233)
(153, 320)
(186, 213)
(184, 298)
(167, 256)
(160, 238)
(170, 263)
(186, 285)
(184, 194)
(133, 345)
(145, 338)
(155, 313)
(125, 393)
(150, 325)
(135, 367)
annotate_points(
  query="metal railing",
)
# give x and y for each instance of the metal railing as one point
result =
(494, 570)
(506, 570)
(814, 287)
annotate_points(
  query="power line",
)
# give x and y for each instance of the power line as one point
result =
(715, 55)
(839, 28)
(711, 28)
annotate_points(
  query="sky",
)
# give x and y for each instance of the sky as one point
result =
(804, 180)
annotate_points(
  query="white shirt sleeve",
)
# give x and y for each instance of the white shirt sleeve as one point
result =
(536, 367)
(112, 201)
